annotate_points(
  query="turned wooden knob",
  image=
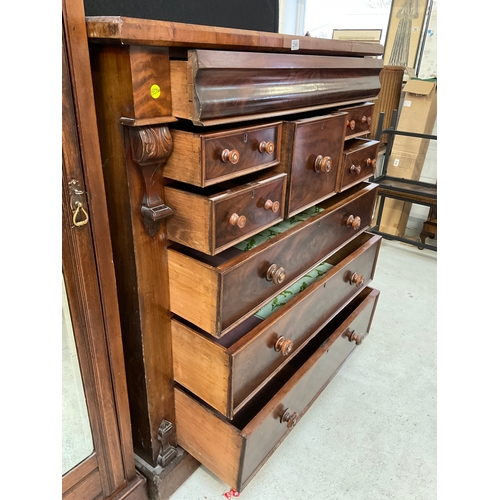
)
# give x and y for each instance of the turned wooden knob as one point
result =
(275, 274)
(354, 222)
(230, 156)
(371, 162)
(272, 205)
(290, 418)
(351, 124)
(354, 336)
(284, 346)
(238, 220)
(355, 169)
(356, 279)
(322, 164)
(367, 119)
(266, 147)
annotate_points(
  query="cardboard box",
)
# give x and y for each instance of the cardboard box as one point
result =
(418, 114)
(405, 165)
(395, 216)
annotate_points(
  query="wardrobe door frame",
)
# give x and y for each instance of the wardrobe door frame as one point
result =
(88, 273)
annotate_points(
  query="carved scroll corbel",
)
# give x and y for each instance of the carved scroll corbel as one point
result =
(150, 148)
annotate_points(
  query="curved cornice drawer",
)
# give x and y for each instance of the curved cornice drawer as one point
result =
(214, 87)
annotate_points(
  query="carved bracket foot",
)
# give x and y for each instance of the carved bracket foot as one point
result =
(167, 451)
(150, 147)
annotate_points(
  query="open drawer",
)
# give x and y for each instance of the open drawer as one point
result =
(229, 287)
(214, 218)
(227, 372)
(236, 450)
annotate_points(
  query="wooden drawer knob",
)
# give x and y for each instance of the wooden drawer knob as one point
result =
(371, 162)
(275, 274)
(355, 169)
(354, 222)
(266, 147)
(290, 418)
(351, 124)
(322, 164)
(284, 346)
(367, 119)
(272, 205)
(230, 156)
(356, 279)
(354, 336)
(238, 220)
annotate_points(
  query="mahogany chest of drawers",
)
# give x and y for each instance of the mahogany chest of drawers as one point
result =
(236, 167)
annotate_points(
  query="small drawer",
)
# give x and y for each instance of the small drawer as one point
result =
(359, 120)
(229, 287)
(236, 450)
(312, 152)
(227, 372)
(213, 219)
(207, 158)
(358, 162)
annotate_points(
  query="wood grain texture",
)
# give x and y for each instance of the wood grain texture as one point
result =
(229, 84)
(202, 366)
(194, 291)
(201, 218)
(255, 359)
(182, 90)
(356, 154)
(235, 452)
(150, 72)
(140, 261)
(243, 287)
(151, 32)
(185, 163)
(226, 374)
(306, 140)
(213, 442)
(265, 431)
(197, 157)
(362, 116)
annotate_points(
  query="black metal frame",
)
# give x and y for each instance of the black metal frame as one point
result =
(404, 188)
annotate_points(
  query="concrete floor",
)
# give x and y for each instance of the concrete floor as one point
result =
(371, 435)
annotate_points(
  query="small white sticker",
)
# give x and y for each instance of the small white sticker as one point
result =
(295, 45)
(407, 104)
(396, 162)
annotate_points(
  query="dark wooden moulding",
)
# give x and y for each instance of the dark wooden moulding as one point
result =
(213, 87)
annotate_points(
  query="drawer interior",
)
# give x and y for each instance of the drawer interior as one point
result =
(251, 322)
(253, 407)
(224, 258)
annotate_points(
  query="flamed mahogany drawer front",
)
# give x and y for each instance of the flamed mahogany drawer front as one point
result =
(236, 450)
(358, 162)
(212, 219)
(203, 159)
(312, 150)
(359, 120)
(229, 287)
(226, 373)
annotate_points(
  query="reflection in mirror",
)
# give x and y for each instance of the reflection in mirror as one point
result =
(76, 434)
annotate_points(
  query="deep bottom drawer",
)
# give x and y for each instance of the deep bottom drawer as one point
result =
(226, 373)
(236, 450)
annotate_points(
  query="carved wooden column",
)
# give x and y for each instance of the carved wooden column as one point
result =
(135, 144)
(149, 345)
